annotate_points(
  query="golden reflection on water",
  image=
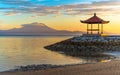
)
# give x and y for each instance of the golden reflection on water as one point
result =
(16, 51)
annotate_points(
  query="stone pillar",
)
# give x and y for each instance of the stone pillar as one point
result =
(98, 29)
(91, 28)
(101, 28)
(87, 28)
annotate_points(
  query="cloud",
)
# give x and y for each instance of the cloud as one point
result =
(17, 2)
(28, 7)
(11, 13)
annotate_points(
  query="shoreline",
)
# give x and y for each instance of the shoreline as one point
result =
(42, 67)
(37, 67)
(104, 68)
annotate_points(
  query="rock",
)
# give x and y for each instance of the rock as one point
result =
(86, 46)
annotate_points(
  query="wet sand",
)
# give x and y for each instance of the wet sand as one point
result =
(101, 68)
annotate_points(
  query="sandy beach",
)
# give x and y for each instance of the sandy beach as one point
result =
(101, 68)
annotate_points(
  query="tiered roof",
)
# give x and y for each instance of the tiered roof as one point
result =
(95, 20)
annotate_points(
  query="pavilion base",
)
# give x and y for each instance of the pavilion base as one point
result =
(96, 35)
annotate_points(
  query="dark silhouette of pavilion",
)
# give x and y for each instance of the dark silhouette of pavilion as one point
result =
(94, 20)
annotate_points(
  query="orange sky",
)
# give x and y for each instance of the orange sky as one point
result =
(65, 16)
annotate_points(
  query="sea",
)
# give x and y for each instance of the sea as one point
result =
(28, 50)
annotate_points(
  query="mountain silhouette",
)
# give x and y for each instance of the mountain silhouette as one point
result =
(37, 29)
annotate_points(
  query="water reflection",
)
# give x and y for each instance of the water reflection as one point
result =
(16, 51)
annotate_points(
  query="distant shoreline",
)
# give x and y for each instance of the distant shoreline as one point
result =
(37, 35)
(58, 35)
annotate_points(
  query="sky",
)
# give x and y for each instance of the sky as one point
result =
(59, 14)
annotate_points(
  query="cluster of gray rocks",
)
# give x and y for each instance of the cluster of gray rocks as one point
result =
(83, 46)
(33, 67)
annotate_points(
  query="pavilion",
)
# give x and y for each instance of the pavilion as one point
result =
(94, 20)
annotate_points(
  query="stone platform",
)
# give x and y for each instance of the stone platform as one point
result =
(83, 38)
(91, 35)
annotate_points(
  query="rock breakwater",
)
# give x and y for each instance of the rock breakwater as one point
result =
(87, 46)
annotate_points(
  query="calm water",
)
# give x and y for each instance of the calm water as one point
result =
(116, 54)
(24, 50)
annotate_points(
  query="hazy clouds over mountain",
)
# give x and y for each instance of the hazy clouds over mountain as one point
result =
(37, 29)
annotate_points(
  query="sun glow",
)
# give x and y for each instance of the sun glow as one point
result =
(64, 16)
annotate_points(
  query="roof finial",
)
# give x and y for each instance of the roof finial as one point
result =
(94, 14)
